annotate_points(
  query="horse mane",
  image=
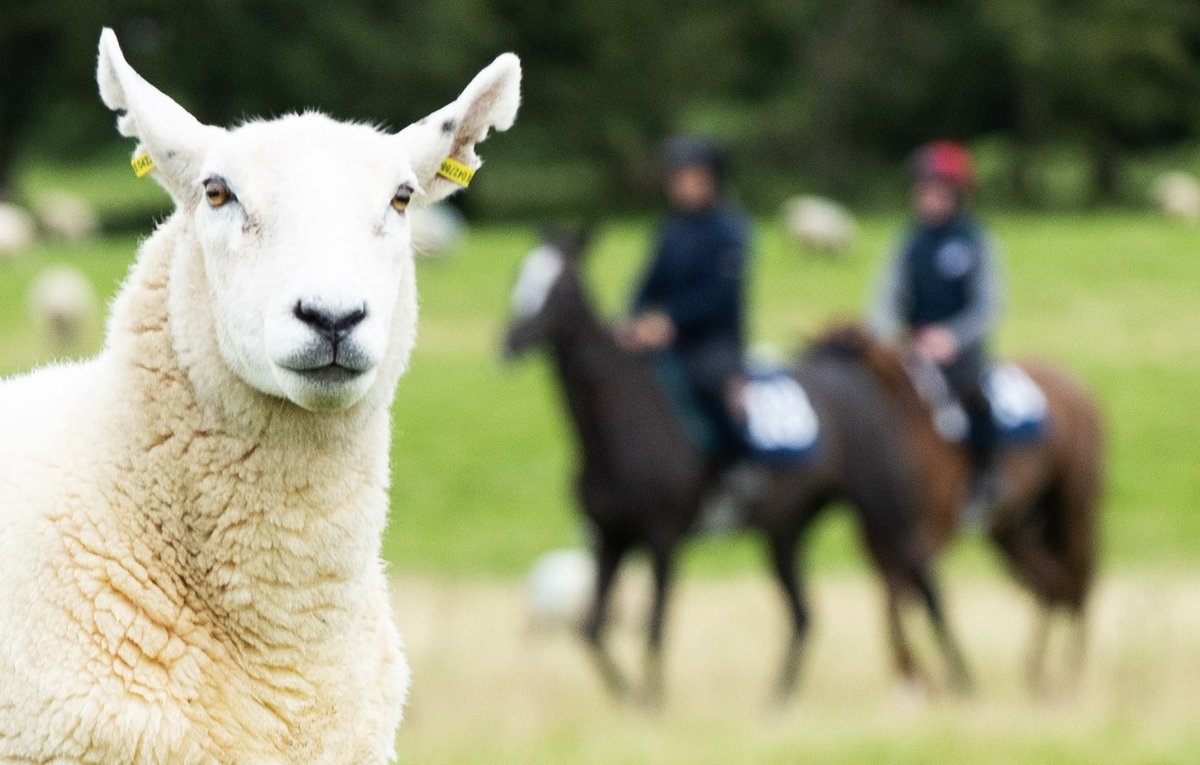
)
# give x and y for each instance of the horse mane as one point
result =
(883, 361)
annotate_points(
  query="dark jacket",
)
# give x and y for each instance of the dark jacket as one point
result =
(942, 275)
(697, 278)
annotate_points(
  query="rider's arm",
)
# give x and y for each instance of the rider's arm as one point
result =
(885, 316)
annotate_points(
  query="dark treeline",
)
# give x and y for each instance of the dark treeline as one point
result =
(823, 95)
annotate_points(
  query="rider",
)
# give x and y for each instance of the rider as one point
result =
(690, 299)
(942, 291)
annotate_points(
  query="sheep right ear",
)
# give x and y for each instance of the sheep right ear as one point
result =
(173, 140)
(441, 147)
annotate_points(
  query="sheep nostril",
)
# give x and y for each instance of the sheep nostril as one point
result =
(333, 325)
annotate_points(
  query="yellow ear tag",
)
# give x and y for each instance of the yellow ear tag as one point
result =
(456, 172)
(142, 164)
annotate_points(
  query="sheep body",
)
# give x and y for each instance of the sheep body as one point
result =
(204, 616)
(62, 304)
(66, 215)
(190, 523)
(17, 232)
(560, 587)
(819, 224)
(437, 231)
(1177, 195)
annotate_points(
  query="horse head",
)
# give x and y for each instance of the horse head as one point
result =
(547, 300)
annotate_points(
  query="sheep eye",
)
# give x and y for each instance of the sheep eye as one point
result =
(217, 192)
(401, 199)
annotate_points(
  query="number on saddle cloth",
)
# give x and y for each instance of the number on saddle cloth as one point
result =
(1018, 404)
(781, 425)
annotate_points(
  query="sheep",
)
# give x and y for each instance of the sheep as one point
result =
(1177, 195)
(62, 305)
(17, 232)
(190, 523)
(819, 224)
(560, 587)
(437, 231)
(66, 215)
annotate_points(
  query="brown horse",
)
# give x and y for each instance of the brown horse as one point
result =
(1044, 519)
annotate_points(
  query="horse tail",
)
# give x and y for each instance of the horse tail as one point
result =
(1081, 491)
(1072, 528)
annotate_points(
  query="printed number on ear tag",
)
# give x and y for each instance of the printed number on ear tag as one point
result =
(142, 164)
(456, 172)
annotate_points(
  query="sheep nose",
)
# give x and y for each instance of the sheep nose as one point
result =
(329, 324)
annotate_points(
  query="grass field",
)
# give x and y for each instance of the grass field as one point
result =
(487, 690)
(481, 476)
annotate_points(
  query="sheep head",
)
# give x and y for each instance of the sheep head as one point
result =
(302, 226)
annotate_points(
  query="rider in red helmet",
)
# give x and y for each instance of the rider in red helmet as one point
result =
(941, 291)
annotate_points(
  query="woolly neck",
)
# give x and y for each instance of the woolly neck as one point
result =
(270, 516)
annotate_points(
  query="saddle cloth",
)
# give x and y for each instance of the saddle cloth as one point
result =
(1018, 404)
(781, 425)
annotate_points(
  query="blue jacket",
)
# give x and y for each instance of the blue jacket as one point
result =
(697, 278)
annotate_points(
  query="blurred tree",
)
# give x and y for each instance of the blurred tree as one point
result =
(827, 94)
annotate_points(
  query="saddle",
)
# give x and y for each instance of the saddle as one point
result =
(779, 427)
(1018, 405)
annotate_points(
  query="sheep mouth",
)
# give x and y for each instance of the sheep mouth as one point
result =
(329, 375)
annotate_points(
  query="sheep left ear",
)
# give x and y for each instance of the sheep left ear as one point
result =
(441, 147)
(174, 141)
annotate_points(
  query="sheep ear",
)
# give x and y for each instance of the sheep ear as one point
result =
(441, 147)
(173, 139)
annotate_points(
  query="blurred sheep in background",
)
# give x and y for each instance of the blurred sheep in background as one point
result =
(63, 306)
(819, 224)
(1176, 194)
(17, 231)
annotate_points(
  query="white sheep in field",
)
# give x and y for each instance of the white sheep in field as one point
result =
(17, 230)
(190, 523)
(560, 588)
(66, 215)
(62, 305)
(1177, 195)
(819, 224)
(437, 231)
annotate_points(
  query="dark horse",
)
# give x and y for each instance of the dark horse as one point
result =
(1044, 520)
(642, 482)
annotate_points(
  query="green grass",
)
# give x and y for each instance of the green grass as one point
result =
(482, 456)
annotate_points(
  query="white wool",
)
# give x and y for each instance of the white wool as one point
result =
(437, 230)
(1177, 195)
(66, 215)
(17, 232)
(819, 224)
(560, 587)
(62, 305)
(190, 523)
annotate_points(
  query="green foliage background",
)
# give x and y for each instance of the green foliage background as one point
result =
(825, 95)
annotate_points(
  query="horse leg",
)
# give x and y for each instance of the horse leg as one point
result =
(906, 663)
(783, 557)
(1076, 649)
(663, 565)
(1036, 669)
(609, 553)
(960, 676)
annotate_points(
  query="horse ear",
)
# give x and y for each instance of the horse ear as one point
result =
(572, 241)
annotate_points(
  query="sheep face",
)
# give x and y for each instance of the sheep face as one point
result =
(304, 231)
(303, 226)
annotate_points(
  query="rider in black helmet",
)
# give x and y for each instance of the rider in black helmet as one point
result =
(691, 298)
